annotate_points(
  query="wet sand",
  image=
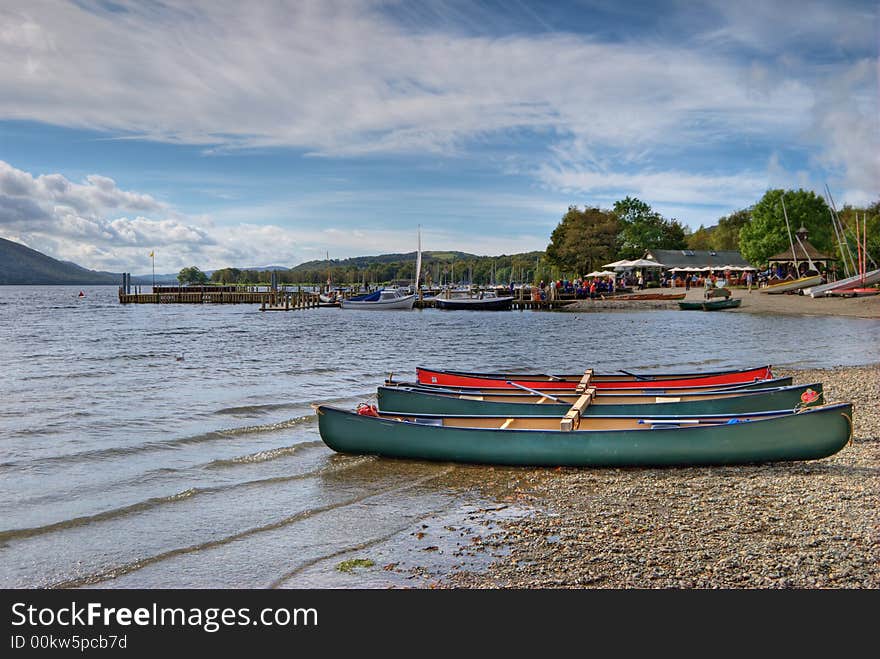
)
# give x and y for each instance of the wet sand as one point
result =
(753, 302)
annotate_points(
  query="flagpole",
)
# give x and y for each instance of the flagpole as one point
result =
(153, 257)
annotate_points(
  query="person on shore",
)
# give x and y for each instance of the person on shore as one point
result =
(687, 282)
(749, 280)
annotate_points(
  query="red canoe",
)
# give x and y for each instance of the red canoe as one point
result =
(624, 381)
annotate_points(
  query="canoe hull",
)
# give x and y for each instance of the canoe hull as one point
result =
(813, 434)
(758, 384)
(496, 380)
(409, 401)
(710, 305)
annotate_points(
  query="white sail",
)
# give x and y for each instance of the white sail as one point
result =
(418, 261)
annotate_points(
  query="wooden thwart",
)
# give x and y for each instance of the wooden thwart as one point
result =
(572, 418)
(585, 381)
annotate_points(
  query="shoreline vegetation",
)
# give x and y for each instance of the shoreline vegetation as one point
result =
(781, 525)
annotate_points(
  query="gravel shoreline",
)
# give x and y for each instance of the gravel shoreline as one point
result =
(782, 525)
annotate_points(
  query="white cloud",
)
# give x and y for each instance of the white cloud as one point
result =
(343, 79)
(660, 187)
(78, 222)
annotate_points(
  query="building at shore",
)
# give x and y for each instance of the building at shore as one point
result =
(800, 259)
(697, 259)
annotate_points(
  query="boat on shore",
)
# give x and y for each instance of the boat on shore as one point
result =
(475, 301)
(381, 300)
(792, 285)
(592, 441)
(647, 391)
(415, 400)
(623, 380)
(711, 305)
(853, 292)
(841, 286)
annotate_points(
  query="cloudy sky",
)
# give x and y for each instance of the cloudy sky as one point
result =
(269, 132)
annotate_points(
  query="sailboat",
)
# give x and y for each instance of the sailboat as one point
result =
(388, 298)
(330, 298)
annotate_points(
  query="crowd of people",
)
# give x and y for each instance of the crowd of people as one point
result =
(581, 288)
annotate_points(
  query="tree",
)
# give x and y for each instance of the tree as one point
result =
(192, 275)
(584, 240)
(642, 229)
(726, 234)
(702, 238)
(766, 233)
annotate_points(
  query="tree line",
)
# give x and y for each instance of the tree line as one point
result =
(587, 238)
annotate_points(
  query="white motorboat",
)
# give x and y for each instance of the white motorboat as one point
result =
(386, 298)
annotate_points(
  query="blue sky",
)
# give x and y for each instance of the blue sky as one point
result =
(246, 134)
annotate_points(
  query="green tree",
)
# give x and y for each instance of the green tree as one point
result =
(726, 234)
(192, 275)
(701, 239)
(642, 228)
(766, 233)
(584, 240)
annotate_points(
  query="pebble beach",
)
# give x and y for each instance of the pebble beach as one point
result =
(797, 525)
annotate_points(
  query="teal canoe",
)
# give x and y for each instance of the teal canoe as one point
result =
(710, 305)
(814, 433)
(413, 400)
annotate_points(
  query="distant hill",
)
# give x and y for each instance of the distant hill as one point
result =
(23, 265)
(367, 261)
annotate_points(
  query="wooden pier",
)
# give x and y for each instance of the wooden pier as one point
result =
(277, 300)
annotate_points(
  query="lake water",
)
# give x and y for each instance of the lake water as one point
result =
(175, 445)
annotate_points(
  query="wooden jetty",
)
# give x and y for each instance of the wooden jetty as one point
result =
(270, 300)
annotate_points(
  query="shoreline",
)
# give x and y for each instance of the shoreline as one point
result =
(753, 302)
(780, 525)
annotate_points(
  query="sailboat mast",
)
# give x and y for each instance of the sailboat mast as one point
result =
(790, 242)
(845, 251)
(418, 261)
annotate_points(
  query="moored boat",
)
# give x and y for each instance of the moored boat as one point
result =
(625, 380)
(814, 433)
(482, 301)
(414, 400)
(384, 299)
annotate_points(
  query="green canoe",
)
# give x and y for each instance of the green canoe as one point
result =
(413, 400)
(710, 305)
(813, 433)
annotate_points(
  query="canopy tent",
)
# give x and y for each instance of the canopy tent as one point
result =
(623, 263)
(600, 273)
(645, 263)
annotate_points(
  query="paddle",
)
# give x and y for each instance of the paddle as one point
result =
(637, 377)
(536, 392)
